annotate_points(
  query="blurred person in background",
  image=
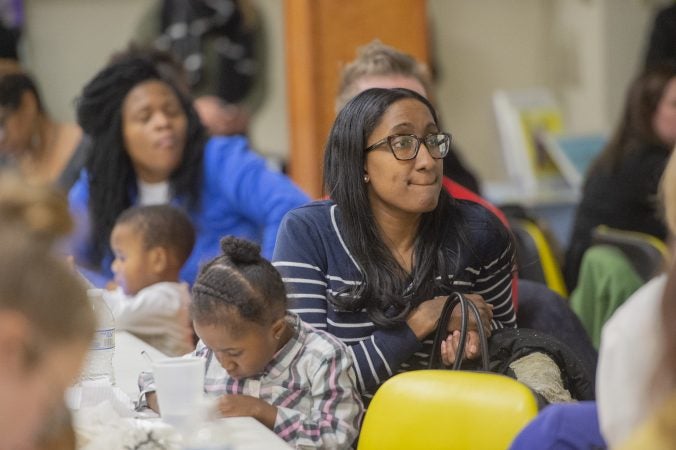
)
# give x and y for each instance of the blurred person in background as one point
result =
(218, 45)
(662, 41)
(620, 188)
(46, 321)
(148, 147)
(38, 145)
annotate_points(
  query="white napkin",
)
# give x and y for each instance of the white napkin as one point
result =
(92, 392)
(101, 428)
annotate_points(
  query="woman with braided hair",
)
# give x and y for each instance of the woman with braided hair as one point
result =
(148, 147)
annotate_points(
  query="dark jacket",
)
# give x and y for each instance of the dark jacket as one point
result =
(625, 198)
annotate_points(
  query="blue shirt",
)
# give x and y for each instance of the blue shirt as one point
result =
(313, 259)
(240, 196)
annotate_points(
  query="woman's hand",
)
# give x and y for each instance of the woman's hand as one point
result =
(423, 320)
(232, 405)
(449, 347)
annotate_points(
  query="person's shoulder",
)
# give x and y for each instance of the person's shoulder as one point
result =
(658, 151)
(307, 231)
(218, 147)
(226, 157)
(318, 211)
(474, 214)
(323, 344)
(481, 229)
(315, 207)
(644, 156)
(642, 306)
(168, 291)
(668, 13)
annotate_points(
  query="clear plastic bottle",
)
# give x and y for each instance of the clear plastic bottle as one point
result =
(99, 363)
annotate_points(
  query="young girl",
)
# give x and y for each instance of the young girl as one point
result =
(151, 244)
(264, 362)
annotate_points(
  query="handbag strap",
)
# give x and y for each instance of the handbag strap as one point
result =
(483, 339)
(456, 298)
(440, 334)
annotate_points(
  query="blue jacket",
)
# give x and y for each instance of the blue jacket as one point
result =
(562, 426)
(241, 196)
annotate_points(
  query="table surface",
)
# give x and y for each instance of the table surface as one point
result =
(244, 433)
(128, 361)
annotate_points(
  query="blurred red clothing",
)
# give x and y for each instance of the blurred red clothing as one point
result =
(458, 191)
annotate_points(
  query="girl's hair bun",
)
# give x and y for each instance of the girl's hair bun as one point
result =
(240, 251)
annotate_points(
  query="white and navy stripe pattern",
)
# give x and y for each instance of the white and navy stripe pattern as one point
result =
(312, 257)
(310, 380)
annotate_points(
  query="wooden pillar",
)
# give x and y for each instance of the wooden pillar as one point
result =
(321, 37)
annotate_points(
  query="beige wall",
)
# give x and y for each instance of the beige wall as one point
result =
(584, 50)
(481, 46)
(269, 131)
(67, 41)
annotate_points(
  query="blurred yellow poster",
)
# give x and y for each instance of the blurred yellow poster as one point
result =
(535, 123)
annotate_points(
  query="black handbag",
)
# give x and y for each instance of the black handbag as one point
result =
(506, 346)
(456, 298)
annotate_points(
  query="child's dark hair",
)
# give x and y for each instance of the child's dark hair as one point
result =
(162, 226)
(240, 279)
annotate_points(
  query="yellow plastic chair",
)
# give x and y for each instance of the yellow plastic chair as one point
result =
(444, 409)
(535, 256)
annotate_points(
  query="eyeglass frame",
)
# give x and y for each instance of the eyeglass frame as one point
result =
(418, 139)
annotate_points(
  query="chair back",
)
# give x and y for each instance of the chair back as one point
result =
(535, 257)
(444, 409)
(646, 253)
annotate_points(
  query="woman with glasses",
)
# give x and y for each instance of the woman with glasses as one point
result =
(374, 264)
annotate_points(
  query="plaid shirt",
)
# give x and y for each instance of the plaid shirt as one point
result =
(311, 381)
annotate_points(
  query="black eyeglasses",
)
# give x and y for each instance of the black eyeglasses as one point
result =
(406, 146)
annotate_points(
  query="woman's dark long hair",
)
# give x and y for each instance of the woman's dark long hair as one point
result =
(635, 129)
(112, 180)
(384, 282)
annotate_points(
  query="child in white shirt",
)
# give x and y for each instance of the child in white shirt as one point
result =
(150, 245)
